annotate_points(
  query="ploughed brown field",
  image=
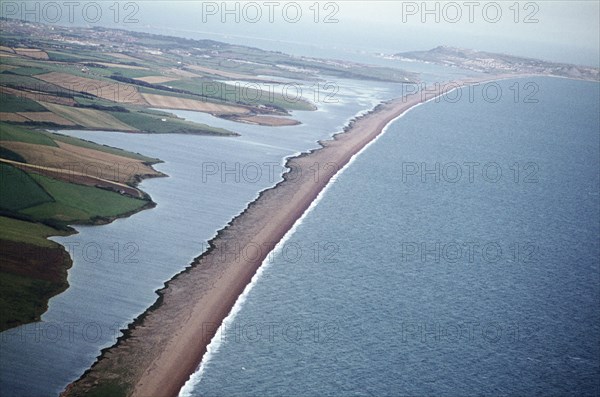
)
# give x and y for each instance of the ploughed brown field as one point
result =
(14, 117)
(112, 91)
(156, 79)
(171, 102)
(76, 159)
(37, 96)
(89, 118)
(46, 117)
(269, 121)
(32, 53)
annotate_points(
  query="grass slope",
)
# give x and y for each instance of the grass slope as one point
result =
(19, 190)
(26, 283)
(101, 148)
(13, 103)
(78, 203)
(89, 118)
(23, 299)
(11, 132)
(27, 232)
(166, 123)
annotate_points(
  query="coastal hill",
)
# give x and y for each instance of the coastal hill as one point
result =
(489, 62)
(47, 184)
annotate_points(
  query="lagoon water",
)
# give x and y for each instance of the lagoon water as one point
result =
(117, 267)
(413, 276)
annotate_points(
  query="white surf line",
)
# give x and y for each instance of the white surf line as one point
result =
(217, 340)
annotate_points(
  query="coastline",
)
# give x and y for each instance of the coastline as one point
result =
(52, 263)
(165, 345)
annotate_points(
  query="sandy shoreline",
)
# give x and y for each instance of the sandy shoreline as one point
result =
(165, 345)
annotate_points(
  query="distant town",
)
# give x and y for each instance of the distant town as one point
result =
(488, 62)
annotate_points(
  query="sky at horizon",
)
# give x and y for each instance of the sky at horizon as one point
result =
(563, 31)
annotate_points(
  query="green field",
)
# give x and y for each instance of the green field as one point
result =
(10, 155)
(17, 81)
(12, 103)
(23, 295)
(27, 232)
(102, 148)
(19, 190)
(65, 57)
(23, 299)
(28, 70)
(131, 73)
(10, 132)
(242, 92)
(148, 90)
(153, 123)
(28, 67)
(73, 203)
(94, 101)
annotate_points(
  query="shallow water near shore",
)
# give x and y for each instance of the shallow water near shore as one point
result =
(415, 276)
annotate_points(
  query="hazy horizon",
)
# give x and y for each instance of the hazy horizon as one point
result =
(557, 31)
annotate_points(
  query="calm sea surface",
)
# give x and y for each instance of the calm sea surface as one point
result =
(457, 255)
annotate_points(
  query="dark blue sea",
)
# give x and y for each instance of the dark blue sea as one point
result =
(457, 255)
